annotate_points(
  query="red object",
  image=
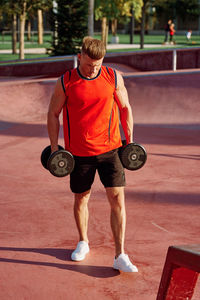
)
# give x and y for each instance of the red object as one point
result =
(180, 273)
(90, 117)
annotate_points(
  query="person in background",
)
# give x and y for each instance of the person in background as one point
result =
(189, 35)
(171, 33)
(167, 31)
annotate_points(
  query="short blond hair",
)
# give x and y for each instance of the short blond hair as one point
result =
(94, 48)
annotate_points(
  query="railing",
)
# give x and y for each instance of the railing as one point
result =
(145, 60)
(174, 60)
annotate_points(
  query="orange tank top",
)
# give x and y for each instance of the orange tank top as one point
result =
(90, 113)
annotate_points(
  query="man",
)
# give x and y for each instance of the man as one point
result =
(89, 97)
(167, 31)
(171, 33)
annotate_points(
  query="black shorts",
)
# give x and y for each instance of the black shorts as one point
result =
(108, 165)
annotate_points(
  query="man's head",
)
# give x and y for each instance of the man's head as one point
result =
(91, 57)
(94, 48)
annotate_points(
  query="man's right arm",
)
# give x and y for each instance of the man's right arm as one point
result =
(126, 116)
(55, 107)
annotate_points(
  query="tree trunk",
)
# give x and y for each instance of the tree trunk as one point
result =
(55, 31)
(40, 27)
(91, 18)
(29, 30)
(14, 34)
(22, 29)
(104, 31)
(132, 26)
(114, 27)
(142, 26)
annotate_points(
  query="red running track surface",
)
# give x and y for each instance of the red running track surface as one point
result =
(37, 228)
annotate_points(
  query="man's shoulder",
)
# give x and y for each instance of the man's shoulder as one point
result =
(110, 74)
(109, 70)
(69, 72)
(68, 75)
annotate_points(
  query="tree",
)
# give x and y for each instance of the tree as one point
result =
(145, 3)
(22, 28)
(133, 9)
(38, 7)
(9, 8)
(14, 33)
(22, 8)
(40, 26)
(71, 19)
(102, 12)
(113, 11)
(13, 8)
(90, 17)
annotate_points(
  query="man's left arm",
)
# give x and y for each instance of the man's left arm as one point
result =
(126, 115)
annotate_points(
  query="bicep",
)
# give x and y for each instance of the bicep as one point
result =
(121, 95)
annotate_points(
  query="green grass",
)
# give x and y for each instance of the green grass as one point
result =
(6, 43)
(7, 38)
(153, 39)
(9, 57)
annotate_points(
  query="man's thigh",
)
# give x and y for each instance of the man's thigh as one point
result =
(110, 169)
(82, 177)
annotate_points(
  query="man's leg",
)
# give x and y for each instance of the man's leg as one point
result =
(118, 224)
(81, 216)
(117, 217)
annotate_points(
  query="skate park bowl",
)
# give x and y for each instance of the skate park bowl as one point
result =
(37, 228)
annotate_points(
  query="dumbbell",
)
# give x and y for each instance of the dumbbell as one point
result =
(59, 163)
(133, 156)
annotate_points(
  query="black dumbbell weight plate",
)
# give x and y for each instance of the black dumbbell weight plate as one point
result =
(61, 163)
(133, 156)
(46, 154)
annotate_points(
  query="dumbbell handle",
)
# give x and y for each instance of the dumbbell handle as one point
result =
(55, 148)
(124, 143)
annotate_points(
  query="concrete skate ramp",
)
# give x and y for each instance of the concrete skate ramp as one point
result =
(37, 227)
(25, 100)
(166, 107)
(163, 100)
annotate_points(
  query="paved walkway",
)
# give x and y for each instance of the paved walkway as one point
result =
(136, 46)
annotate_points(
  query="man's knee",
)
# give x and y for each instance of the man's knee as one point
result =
(115, 196)
(82, 198)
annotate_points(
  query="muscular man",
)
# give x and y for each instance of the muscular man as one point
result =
(90, 96)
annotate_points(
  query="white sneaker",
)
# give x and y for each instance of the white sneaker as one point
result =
(80, 252)
(122, 263)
